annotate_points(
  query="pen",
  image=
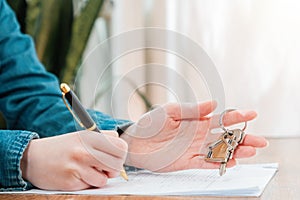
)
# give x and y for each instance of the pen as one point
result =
(85, 120)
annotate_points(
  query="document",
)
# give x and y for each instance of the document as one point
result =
(241, 180)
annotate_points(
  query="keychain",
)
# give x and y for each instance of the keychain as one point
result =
(222, 150)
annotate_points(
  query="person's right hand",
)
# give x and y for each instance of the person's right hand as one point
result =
(74, 161)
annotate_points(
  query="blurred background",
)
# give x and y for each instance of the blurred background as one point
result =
(254, 46)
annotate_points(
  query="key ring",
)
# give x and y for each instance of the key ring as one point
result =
(221, 120)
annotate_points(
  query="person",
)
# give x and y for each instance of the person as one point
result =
(42, 146)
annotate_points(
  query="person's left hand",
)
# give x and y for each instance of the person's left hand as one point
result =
(174, 137)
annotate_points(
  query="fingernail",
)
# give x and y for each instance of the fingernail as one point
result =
(267, 143)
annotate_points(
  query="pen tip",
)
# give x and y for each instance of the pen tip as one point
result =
(124, 175)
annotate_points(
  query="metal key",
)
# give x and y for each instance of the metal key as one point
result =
(222, 150)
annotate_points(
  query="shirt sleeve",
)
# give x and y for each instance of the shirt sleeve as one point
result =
(30, 100)
(30, 97)
(12, 146)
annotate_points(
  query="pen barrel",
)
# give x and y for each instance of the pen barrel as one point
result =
(81, 112)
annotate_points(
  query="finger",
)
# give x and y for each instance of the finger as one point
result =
(89, 157)
(232, 118)
(98, 159)
(93, 177)
(111, 145)
(214, 165)
(190, 111)
(106, 162)
(110, 133)
(244, 152)
(255, 141)
(231, 163)
(112, 174)
(199, 163)
(70, 185)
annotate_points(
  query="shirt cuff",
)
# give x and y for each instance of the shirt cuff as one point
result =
(11, 171)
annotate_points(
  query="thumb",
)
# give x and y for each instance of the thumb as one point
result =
(110, 133)
(190, 110)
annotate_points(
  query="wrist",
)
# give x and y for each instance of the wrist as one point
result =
(24, 162)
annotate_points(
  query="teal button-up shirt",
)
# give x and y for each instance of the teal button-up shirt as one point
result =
(30, 100)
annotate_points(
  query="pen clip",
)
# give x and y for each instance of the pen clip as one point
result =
(75, 117)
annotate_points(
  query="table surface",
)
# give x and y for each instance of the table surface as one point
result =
(285, 184)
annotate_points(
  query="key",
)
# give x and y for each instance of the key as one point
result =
(232, 139)
(222, 150)
(222, 169)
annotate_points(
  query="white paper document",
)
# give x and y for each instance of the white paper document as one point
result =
(241, 180)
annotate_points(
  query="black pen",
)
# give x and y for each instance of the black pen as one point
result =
(85, 120)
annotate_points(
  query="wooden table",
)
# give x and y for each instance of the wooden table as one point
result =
(285, 185)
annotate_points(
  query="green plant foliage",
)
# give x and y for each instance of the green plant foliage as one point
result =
(34, 8)
(52, 33)
(81, 30)
(20, 8)
(60, 37)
